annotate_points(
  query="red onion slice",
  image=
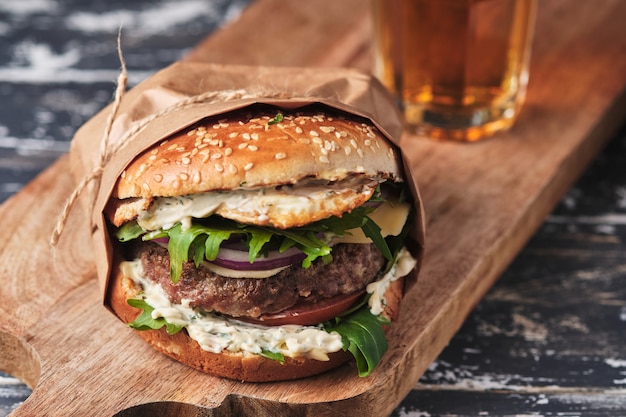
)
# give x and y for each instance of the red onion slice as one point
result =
(238, 259)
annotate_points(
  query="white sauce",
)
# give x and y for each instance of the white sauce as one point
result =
(216, 333)
(307, 197)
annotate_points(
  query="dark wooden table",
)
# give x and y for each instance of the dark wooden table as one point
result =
(548, 339)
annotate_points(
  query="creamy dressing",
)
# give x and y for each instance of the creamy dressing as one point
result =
(216, 333)
(404, 264)
(307, 197)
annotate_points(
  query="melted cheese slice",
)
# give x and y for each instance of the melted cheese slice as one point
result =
(389, 216)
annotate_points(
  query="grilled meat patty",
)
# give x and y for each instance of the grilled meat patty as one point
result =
(353, 266)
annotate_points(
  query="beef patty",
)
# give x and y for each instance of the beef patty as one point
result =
(352, 268)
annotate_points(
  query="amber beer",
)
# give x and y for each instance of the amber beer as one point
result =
(458, 67)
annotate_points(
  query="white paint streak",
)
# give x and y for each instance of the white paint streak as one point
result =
(616, 363)
(143, 23)
(51, 76)
(609, 218)
(38, 55)
(25, 8)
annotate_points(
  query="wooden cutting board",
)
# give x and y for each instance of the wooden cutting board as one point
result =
(483, 201)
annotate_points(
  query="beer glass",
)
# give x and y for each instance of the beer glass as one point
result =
(458, 67)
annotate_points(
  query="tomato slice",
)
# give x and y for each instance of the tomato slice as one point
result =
(309, 314)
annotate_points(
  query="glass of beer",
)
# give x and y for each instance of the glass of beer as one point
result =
(458, 67)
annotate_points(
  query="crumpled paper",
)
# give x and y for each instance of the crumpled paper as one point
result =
(184, 93)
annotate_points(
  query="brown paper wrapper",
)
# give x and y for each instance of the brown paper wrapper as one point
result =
(184, 93)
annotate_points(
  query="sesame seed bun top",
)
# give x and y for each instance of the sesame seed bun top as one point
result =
(258, 147)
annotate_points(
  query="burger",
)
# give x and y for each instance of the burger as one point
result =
(264, 244)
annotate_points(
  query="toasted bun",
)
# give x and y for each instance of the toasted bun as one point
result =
(237, 366)
(244, 149)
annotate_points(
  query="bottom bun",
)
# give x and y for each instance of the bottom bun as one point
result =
(232, 365)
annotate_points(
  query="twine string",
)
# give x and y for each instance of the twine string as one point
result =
(108, 150)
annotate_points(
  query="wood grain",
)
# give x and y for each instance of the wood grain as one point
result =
(483, 201)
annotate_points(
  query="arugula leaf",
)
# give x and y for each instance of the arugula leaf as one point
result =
(214, 241)
(362, 334)
(129, 231)
(275, 356)
(145, 321)
(372, 230)
(258, 238)
(277, 119)
(178, 247)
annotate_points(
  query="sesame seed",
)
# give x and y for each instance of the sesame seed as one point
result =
(327, 129)
(233, 134)
(123, 175)
(304, 140)
(367, 142)
(347, 150)
(360, 152)
(157, 178)
(186, 161)
(228, 151)
(216, 156)
(154, 151)
(246, 136)
(232, 168)
(172, 147)
(324, 159)
(253, 148)
(191, 132)
(243, 145)
(318, 141)
(313, 133)
(280, 155)
(196, 177)
(183, 176)
(255, 136)
(248, 166)
(219, 167)
(299, 130)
